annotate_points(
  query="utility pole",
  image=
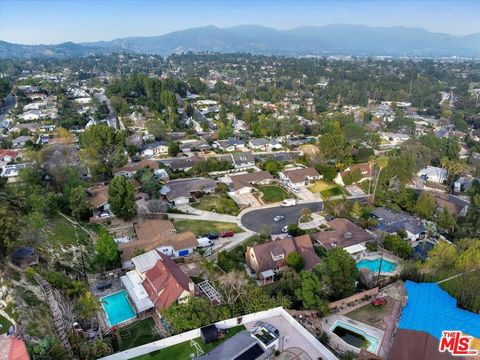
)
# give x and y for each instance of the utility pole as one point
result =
(379, 269)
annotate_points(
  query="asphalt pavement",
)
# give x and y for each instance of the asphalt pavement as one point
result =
(255, 220)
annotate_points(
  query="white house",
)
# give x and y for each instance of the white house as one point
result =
(155, 149)
(433, 174)
(295, 178)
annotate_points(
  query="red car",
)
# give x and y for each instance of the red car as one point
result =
(227, 233)
(379, 301)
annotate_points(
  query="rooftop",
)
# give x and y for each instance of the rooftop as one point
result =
(345, 233)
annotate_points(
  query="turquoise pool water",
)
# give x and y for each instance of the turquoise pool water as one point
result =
(355, 336)
(117, 307)
(374, 265)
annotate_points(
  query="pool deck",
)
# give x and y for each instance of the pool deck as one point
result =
(337, 343)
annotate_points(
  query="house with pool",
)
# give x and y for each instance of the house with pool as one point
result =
(156, 283)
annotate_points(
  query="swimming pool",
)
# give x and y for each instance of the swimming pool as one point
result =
(117, 308)
(374, 265)
(355, 336)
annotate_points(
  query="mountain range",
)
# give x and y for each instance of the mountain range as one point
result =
(340, 39)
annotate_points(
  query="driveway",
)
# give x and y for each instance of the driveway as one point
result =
(305, 194)
(255, 220)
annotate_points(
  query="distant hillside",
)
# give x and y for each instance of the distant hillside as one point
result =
(305, 40)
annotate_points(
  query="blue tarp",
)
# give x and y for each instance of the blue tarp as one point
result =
(433, 310)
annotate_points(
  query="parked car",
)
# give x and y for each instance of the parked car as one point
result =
(226, 233)
(288, 202)
(285, 229)
(211, 235)
(278, 218)
(103, 215)
(379, 301)
(329, 217)
(204, 242)
(104, 286)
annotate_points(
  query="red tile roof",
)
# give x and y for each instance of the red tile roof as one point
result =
(165, 282)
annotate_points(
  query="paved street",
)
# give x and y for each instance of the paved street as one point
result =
(256, 219)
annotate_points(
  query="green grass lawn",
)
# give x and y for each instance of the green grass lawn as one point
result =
(326, 189)
(136, 334)
(200, 227)
(218, 204)
(183, 350)
(334, 191)
(273, 193)
(4, 325)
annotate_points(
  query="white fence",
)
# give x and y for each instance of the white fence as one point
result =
(224, 324)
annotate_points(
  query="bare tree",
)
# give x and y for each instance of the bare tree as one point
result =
(232, 285)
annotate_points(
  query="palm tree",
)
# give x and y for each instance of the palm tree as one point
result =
(381, 163)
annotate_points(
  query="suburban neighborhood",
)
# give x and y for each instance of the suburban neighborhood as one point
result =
(228, 205)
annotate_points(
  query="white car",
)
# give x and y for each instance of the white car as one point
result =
(278, 218)
(285, 229)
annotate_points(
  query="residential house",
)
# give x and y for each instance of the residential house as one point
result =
(265, 144)
(390, 222)
(394, 138)
(160, 235)
(433, 174)
(457, 208)
(344, 234)
(20, 141)
(156, 282)
(229, 145)
(294, 178)
(155, 149)
(269, 258)
(13, 170)
(194, 145)
(243, 160)
(130, 169)
(245, 183)
(184, 164)
(7, 155)
(97, 196)
(354, 174)
(181, 191)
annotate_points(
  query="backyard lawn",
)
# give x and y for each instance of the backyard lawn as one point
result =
(326, 189)
(136, 334)
(373, 315)
(218, 204)
(183, 350)
(273, 193)
(200, 227)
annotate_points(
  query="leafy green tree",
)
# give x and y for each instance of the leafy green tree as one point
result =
(101, 149)
(78, 203)
(397, 245)
(425, 206)
(446, 221)
(106, 248)
(8, 231)
(311, 293)
(338, 273)
(441, 259)
(294, 230)
(86, 306)
(121, 197)
(295, 261)
(173, 148)
(357, 210)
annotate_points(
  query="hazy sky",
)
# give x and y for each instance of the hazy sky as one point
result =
(34, 22)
